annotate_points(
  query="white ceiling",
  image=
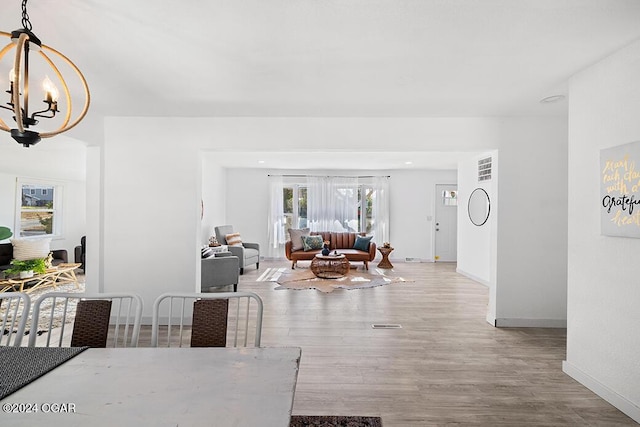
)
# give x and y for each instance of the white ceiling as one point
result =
(330, 58)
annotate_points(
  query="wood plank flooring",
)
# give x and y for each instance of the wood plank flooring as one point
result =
(446, 366)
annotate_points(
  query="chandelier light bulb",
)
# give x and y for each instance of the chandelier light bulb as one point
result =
(51, 91)
(12, 75)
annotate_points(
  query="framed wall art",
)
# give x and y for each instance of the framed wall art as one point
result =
(620, 190)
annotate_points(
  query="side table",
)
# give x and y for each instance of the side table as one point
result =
(385, 263)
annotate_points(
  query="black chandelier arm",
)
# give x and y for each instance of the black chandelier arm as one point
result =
(42, 114)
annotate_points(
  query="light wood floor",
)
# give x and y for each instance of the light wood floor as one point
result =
(446, 366)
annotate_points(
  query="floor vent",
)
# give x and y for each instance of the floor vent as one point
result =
(386, 326)
(412, 259)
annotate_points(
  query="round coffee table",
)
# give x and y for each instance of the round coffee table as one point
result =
(330, 266)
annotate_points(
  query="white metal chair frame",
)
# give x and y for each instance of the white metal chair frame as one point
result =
(193, 296)
(124, 299)
(9, 318)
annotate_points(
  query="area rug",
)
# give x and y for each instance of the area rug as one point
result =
(303, 278)
(334, 421)
(45, 308)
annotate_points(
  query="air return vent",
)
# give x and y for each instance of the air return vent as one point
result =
(484, 169)
(386, 326)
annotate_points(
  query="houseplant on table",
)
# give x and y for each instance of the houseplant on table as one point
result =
(27, 267)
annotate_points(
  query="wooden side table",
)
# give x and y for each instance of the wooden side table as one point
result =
(385, 263)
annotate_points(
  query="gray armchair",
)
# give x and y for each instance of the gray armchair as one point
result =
(219, 271)
(248, 253)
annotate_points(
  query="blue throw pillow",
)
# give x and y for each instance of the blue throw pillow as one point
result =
(312, 242)
(362, 243)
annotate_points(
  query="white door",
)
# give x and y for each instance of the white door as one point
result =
(446, 223)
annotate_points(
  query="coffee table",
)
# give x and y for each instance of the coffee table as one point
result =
(330, 266)
(60, 275)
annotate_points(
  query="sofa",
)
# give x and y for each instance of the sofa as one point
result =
(6, 255)
(80, 253)
(341, 242)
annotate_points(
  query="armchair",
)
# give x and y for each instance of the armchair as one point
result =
(247, 253)
(219, 271)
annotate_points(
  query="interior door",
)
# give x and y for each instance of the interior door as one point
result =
(446, 223)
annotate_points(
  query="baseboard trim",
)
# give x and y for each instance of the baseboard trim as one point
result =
(624, 405)
(530, 323)
(474, 278)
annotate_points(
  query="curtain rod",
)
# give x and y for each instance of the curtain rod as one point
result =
(336, 176)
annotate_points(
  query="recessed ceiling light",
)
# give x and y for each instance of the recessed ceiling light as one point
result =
(261, 161)
(551, 99)
(408, 163)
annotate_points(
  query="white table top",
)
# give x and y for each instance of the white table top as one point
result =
(162, 387)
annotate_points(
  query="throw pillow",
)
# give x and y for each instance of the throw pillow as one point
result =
(296, 238)
(312, 242)
(362, 243)
(207, 252)
(24, 249)
(233, 239)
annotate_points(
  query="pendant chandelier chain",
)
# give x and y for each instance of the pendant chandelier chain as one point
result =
(26, 24)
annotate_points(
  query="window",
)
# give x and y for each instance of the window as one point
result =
(38, 208)
(449, 198)
(295, 206)
(328, 203)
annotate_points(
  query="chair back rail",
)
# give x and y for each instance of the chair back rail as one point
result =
(14, 313)
(172, 310)
(123, 318)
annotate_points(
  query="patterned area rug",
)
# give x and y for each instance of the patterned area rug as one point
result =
(334, 421)
(303, 278)
(46, 307)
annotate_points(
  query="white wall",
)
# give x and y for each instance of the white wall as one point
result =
(214, 195)
(53, 159)
(412, 196)
(477, 244)
(521, 252)
(603, 342)
(531, 276)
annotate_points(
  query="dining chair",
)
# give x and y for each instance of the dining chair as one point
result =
(220, 319)
(97, 319)
(14, 313)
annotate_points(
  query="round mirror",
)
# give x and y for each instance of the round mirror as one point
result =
(479, 207)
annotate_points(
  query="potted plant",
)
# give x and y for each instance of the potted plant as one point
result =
(5, 233)
(26, 268)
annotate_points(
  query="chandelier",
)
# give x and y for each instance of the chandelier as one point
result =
(24, 71)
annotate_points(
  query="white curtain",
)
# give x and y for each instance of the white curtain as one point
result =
(332, 203)
(380, 209)
(277, 236)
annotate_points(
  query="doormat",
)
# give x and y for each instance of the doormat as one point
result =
(334, 421)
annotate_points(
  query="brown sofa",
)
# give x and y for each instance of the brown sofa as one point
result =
(341, 242)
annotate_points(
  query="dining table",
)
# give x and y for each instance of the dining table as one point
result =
(148, 386)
